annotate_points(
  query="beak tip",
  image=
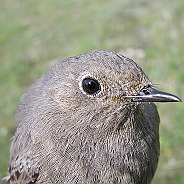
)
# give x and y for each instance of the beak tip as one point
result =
(179, 100)
(174, 98)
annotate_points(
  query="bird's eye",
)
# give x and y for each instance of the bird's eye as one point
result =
(91, 86)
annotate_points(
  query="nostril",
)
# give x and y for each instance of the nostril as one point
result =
(146, 91)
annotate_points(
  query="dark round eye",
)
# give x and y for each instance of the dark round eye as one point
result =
(91, 86)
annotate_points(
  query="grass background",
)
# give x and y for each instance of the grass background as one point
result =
(35, 34)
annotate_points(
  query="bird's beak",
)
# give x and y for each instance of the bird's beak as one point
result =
(152, 95)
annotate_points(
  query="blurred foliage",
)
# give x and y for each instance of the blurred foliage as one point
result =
(35, 34)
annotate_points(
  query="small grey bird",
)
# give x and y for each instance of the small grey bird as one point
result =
(89, 119)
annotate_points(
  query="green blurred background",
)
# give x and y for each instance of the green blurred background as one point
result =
(36, 34)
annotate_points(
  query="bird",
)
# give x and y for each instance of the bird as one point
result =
(90, 119)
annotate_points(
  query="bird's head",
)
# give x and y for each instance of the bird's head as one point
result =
(95, 85)
(101, 77)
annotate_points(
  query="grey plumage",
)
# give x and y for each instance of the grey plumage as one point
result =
(81, 122)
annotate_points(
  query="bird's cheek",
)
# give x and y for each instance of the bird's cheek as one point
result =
(64, 95)
(68, 106)
(66, 100)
